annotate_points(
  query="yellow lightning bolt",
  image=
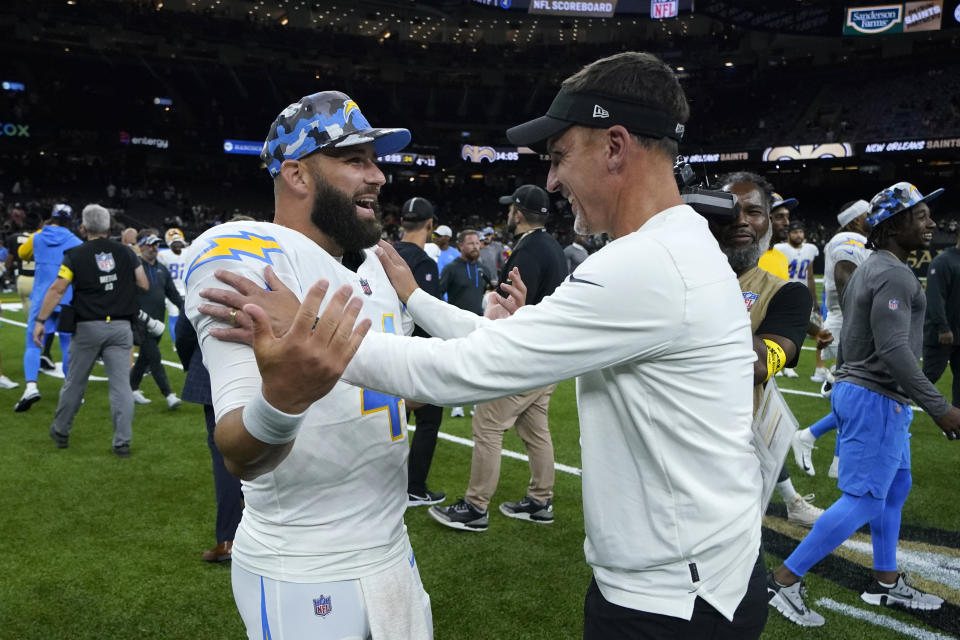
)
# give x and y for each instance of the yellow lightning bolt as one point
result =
(236, 247)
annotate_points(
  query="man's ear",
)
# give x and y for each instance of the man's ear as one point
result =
(616, 141)
(296, 177)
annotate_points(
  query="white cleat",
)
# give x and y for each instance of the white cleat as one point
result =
(7, 383)
(139, 398)
(820, 375)
(800, 512)
(901, 594)
(790, 602)
(456, 412)
(790, 373)
(173, 401)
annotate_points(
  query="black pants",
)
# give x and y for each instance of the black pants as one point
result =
(227, 487)
(935, 360)
(604, 620)
(422, 447)
(150, 357)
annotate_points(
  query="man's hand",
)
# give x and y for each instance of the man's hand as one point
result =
(824, 338)
(38, 333)
(397, 270)
(279, 301)
(499, 307)
(945, 338)
(305, 363)
(950, 424)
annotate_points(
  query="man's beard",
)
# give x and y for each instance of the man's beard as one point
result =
(746, 257)
(335, 215)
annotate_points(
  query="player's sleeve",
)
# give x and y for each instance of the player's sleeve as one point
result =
(441, 319)
(234, 376)
(890, 318)
(25, 250)
(788, 315)
(598, 321)
(66, 267)
(428, 278)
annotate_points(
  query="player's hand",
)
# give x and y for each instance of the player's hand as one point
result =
(950, 424)
(302, 366)
(397, 270)
(824, 338)
(945, 338)
(280, 302)
(499, 307)
(38, 333)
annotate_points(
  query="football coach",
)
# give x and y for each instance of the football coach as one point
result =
(105, 275)
(653, 327)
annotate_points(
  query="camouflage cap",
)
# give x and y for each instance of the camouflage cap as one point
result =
(324, 119)
(895, 199)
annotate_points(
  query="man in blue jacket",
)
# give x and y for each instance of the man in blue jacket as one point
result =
(46, 248)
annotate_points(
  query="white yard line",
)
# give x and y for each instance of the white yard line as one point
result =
(926, 564)
(881, 621)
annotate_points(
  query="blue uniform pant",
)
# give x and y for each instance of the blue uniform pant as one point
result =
(31, 353)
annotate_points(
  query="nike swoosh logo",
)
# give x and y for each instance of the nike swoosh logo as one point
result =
(574, 278)
(849, 251)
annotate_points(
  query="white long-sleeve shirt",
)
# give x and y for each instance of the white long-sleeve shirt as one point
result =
(654, 328)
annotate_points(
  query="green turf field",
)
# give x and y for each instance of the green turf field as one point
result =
(97, 547)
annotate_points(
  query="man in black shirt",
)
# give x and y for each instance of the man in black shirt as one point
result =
(105, 276)
(418, 221)
(152, 301)
(465, 280)
(540, 260)
(941, 327)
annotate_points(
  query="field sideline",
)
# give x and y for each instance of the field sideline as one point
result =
(100, 547)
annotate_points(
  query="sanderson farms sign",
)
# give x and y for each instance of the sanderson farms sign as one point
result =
(924, 15)
(874, 20)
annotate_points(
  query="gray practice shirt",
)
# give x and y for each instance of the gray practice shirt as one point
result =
(882, 336)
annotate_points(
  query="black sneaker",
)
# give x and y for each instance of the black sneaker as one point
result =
(122, 451)
(47, 364)
(62, 441)
(26, 401)
(529, 509)
(902, 594)
(461, 515)
(425, 497)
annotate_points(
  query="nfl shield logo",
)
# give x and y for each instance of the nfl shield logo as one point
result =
(322, 606)
(893, 304)
(750, 297)
(105, 261)
(366, 287)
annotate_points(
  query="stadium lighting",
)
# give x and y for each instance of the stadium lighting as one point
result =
(681, 68)
(728, 64)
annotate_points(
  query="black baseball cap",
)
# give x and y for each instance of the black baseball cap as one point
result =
(529, 197)
(597, 111)
(796, 224)
(416, 209)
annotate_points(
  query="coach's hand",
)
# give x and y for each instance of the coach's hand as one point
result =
(301, 366)
(397, 270)
(499, 307)
(824, 338)
(950, 424)
(945, 338)
(279, 301)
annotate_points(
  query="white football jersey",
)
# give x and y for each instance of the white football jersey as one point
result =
(176, 265)
(846, 245)
(799, 260)
(333, 509)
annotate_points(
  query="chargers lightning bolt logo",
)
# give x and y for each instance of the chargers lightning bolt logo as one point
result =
(235, 247)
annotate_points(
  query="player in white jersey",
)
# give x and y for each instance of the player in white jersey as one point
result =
(800, 256)
(321, 550)
(173, 258)
(842, 255)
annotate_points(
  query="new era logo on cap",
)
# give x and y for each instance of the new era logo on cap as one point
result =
(600, 112)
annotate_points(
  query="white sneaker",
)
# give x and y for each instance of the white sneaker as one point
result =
(826, 388)
(7, 383)
(139, 398)
(173, 401)
(902, 594)
(778, 374)
(820, 375)
(801, 512)
(474, 410)
(834, 471)
(790, 602)
(456, 412)
(802, 445)
(790, 373)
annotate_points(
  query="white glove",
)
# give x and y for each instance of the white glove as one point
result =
(154, 327)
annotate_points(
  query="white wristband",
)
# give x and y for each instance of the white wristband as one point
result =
(268, 424)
